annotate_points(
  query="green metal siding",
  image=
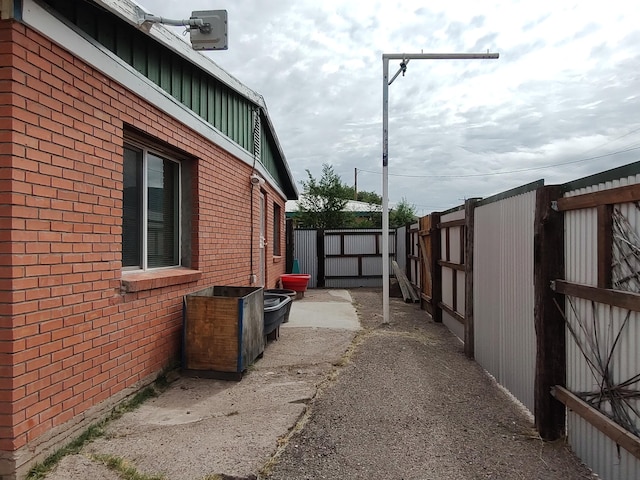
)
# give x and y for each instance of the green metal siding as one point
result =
(268, 157)
(224, 108)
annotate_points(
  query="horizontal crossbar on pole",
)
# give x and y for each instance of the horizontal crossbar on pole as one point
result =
(439, 56)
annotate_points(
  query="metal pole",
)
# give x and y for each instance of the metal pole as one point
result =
(385, 192)
(405, 57)
(355, 183)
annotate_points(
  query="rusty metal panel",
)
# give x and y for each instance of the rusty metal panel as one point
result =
(505, 342)
(599, 452)
(306, 252)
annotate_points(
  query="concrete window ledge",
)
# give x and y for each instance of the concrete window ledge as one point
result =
(139, 281)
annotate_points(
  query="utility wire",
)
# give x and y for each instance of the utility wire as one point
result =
(509, 171)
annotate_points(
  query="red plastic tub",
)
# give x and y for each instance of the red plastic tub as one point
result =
(295, 281)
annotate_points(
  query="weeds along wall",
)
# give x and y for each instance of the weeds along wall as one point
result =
(76, 332)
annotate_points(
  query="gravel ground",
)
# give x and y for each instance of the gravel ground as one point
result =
(409, 405)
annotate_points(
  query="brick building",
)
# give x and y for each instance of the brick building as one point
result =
(125, 166)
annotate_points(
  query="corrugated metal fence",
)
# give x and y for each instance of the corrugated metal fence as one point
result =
(305, 251)
(555, 310)
(604, 333)
(343, 258)
(505, 343)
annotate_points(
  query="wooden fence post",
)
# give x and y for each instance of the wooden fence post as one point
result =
(436, 268)
(320, 256)
(469, 335)
(549, 321)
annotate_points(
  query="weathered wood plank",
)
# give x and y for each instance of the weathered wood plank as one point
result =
(549, 320)
(611, 429)
(617, 298)
(605, 245)
(453, 266)
(451, 223)
(320, 254)
(625, 194)
(469, 332)
(424, 245)
(436, 270)
(451, 312)
(408, 293)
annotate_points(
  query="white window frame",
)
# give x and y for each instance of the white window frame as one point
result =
(145, 211)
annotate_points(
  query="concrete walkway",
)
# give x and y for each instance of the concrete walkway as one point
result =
(201, 427)
(324, 309)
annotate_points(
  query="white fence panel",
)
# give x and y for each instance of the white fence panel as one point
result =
(451, 278)
(505, 342)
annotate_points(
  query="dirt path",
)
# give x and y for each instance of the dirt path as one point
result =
(410, 405)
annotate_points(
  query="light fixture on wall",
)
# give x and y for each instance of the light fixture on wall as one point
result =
(257, 180)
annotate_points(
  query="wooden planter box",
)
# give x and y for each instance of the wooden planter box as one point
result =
(223, 331)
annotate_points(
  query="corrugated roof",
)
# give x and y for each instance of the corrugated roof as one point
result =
(351, 206)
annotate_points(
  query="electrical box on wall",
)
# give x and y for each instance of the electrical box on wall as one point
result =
(213, 34)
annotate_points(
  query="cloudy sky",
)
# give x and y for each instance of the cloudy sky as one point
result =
(562, 102)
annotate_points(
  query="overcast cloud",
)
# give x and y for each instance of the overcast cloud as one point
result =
(566, 88)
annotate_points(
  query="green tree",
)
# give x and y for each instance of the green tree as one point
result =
(401, 215)
(322, 202)
(368, 197)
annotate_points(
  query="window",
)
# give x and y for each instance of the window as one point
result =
(151, 210)
(277, 222)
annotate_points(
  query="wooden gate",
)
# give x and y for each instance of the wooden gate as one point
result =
(431, 291)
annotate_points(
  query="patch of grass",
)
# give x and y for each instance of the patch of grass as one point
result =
(40, 470)
(123, 468)
(130, 405)
(97, 430)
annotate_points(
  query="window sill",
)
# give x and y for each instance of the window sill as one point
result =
(277, 259)
(139, 281)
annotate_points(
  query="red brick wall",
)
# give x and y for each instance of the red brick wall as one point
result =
(69, 338)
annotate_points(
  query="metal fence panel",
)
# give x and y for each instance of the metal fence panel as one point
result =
(594, 448)
(351, 255)
(341, 267)
(505, 342)
(354, 283)
(361, 244)
(305, 251)
(372, 266)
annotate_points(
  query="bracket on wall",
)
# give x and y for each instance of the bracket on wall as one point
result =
(207, 28)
